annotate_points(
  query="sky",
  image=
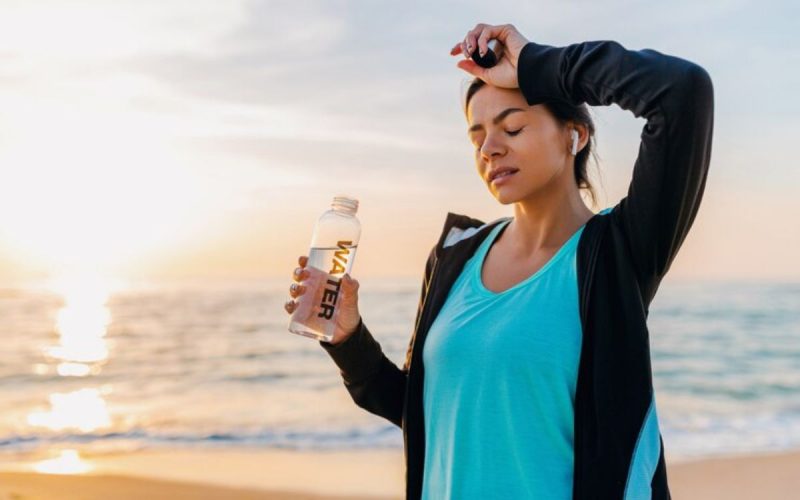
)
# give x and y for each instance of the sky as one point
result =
(169, 140)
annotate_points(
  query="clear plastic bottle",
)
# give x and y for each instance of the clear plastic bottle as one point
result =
(332, 253)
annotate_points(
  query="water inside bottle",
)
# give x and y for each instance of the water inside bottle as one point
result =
(315, 314)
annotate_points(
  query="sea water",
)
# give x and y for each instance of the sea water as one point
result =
(211, 365)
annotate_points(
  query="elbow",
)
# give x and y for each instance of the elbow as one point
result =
(694, 104)
(701, 81)
(698, 87)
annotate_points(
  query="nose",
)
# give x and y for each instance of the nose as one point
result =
(491, 146)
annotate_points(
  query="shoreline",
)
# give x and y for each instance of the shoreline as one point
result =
(336, 475)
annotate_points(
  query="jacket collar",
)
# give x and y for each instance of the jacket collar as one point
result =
(458, 227)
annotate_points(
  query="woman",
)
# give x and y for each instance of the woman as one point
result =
(528, 372)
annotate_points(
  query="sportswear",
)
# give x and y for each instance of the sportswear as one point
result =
(495, 361)
(623, 254)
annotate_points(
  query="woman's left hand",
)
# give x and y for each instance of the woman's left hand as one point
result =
(504, 73)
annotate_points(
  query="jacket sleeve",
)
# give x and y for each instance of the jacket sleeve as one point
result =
(374, 382)
(676, 98)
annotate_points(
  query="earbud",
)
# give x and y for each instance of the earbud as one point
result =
(574, 142)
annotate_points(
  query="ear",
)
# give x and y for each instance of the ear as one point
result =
(583, 134)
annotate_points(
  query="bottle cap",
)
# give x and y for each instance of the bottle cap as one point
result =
(346, 203)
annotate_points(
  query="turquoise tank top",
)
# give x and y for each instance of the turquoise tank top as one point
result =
(499, 388)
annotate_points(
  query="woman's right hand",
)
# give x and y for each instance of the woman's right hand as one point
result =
(504, 73)
(347, 314)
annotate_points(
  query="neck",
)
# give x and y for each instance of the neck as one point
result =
(545, 221)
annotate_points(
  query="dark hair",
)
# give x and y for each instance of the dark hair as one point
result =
(563, 112)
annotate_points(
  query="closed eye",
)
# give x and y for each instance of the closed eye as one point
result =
(512, 133)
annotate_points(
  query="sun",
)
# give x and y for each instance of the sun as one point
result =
(93, 191)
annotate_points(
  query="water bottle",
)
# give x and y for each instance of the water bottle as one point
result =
(331, 256)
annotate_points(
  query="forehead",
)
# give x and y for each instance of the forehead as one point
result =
(489, 100)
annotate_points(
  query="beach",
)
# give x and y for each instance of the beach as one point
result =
(171, 392)
(354, 475)
(211, 475)
(765, 477)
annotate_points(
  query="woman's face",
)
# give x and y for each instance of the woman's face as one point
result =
(524, 137)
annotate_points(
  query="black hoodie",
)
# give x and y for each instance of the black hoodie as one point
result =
(622, 257)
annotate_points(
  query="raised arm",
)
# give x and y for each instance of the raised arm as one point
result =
(374, 382)
(676, 98)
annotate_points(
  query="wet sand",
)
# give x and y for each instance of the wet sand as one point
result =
(353, 475)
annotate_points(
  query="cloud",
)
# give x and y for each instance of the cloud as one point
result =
(260, 97)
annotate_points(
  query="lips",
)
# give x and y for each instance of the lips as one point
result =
(501, 170)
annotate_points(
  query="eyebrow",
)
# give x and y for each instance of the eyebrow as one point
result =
(496, 119)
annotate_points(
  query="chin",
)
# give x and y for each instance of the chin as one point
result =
(506, 196)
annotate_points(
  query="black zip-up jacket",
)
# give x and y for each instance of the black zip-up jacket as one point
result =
(622, 257)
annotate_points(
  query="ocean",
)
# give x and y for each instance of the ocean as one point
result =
(214, 365)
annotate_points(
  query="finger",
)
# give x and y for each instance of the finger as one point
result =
(456, 49)
(353, 286)
(498, 32)
(303, 260)
(483, 42)
(467, 47)
(289, 305)
(472, 68)
(296, 289)
(499, 50)
(470, 42)
(299, 274)
(472, 37)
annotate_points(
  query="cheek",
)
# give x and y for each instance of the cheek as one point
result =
(541, 153)
(539, 166)
(479, 163)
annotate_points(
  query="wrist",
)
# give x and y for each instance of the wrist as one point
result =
(538, 72)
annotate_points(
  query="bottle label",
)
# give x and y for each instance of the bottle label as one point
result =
(330, 294)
